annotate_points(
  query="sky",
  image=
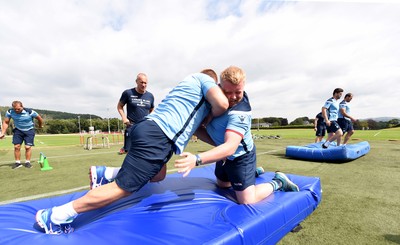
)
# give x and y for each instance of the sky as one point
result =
(78, 56)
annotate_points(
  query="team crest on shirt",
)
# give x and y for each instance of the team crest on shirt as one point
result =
(241, 118)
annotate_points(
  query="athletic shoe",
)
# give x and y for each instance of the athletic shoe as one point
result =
(97, 178)
(16, 165)
(28, 165)
(44, 221)
(324, 146)
(287, 185)
(121, 151)
(259, 171)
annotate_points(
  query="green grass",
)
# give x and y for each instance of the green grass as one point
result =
(360, 200)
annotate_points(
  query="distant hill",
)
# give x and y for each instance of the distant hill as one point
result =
(47, 114)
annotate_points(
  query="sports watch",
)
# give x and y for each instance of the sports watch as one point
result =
(198, 160)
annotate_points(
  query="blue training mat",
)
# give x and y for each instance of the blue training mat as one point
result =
(339, 154)
(178, 210)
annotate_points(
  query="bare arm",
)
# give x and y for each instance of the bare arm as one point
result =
(6, 123)
(343, 111)
(188, 160)
(40, 120)
(325, 115)
(217, 99)
(315, 123)
(120, 108)
(202, 134)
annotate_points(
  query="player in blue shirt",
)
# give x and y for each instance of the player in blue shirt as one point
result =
(139, 103)
(345, 120)
(330, 112)
(153, 141)
(24, 131)
(235, 151)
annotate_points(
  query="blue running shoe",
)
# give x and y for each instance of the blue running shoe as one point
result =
(97, 177)
(259, 171)
(44, 221)
(287, 185)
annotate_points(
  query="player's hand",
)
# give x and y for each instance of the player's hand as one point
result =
(328, 123)
(185, 163)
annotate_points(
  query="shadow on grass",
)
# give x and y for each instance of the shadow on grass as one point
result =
(392, 238)
(8, 165)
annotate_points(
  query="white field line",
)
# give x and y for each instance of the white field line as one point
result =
(377, 133)
(23, 199)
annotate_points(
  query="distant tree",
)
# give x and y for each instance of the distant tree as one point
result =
(393, 123)
(372, 124)
(300, 121)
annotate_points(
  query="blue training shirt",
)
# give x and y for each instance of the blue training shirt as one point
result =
(24, 120)
(236, 119)
(346, 107)
(184, 109)
(332, 105)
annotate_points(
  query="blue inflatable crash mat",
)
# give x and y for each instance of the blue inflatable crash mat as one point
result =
(177, 210)
(339, 154)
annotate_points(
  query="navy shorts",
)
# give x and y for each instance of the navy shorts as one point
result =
(20, 136)
(321, 129)
(150, 150)
(345, 125)
(239, 171)
(333, 128)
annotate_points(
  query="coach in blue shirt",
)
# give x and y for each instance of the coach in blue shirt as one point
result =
(24, 131)
(139, 103)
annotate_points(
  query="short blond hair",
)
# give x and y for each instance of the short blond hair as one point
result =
(233, 74)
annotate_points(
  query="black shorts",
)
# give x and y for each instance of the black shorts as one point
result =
(333, 128)
(239, 171)
(321, 129)
(23, 136)
(345, 125)
(150, 150)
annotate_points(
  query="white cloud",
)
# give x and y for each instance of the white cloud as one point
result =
(78, 56)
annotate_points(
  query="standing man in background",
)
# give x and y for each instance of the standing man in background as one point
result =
(319, 127)
(345, 120)
(139, 103)
(24, 131)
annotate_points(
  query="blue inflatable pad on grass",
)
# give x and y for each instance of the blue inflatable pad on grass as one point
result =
(178, 210)
(315, 152)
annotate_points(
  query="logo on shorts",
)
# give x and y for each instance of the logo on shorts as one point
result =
(237, 184)
(241, 117)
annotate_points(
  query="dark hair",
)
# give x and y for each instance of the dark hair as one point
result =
(337, 90)
(348, 95)
(16, 102)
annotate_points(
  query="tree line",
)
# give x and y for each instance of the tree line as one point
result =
(304, 122)
(65, 123)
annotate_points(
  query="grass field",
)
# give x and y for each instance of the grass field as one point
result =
(360, 200)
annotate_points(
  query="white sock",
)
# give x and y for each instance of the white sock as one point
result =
(326, 143)
(18, 161)
(111, 173)
(63, 213)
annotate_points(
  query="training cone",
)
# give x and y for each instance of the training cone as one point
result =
(45, 165)
(41, 159)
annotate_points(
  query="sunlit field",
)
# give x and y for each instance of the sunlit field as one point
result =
(360, 200)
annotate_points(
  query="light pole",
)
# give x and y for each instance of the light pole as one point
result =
(79, 124)
(108, 120)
